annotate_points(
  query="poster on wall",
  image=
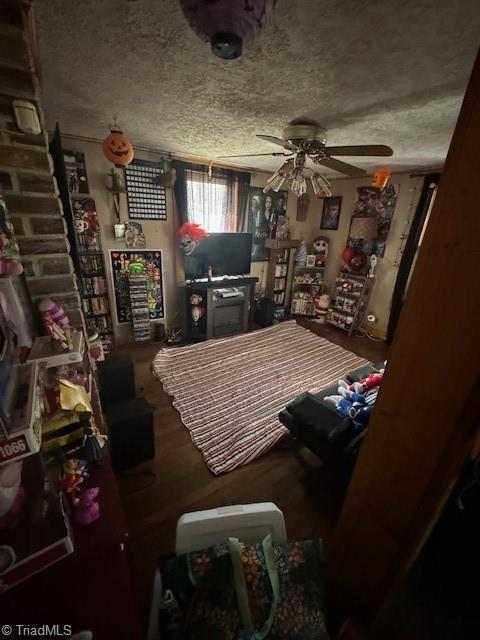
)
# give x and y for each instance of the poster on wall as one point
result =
(372, 205)
(148, 263)
(86, 226)
(266, 212)
(76, 171)
(134, 235)
(331, 212)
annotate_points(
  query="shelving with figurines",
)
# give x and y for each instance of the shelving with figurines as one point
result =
(308, 278)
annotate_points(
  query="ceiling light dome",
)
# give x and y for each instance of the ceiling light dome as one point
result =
(228, 25)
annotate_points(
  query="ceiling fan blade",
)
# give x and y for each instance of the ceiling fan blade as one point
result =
(283, 143)
(252, 155)
(360, 150)
(342, 167)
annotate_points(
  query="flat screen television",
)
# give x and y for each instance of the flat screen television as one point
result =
(227, 253)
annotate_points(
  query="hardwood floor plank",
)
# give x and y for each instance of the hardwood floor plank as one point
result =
(309, 495)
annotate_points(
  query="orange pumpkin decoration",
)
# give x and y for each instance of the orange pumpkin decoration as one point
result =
(117, 148)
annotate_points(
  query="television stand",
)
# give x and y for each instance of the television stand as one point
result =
(220, 307)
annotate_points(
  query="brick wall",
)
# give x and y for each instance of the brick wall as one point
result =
(26, 169)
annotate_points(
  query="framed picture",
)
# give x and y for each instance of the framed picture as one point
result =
(137, 262)
(134, 236)
(265, 210)
(310, 261)
(331, 212)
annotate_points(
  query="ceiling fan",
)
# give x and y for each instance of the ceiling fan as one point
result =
(304, 140)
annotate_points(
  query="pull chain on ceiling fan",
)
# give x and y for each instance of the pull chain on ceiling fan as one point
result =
(307, 140)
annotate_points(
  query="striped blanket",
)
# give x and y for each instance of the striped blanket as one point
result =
(229, 391)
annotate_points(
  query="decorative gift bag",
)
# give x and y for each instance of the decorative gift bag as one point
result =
(235, 591)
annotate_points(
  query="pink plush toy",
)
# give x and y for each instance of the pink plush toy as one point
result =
(55, 311)
(87, 509)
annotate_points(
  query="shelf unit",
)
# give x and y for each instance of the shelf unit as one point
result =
(352, 293)
(307, 283)
(85, 247)
(279, 274)
(91, 272)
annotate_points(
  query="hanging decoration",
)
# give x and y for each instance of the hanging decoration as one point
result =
(381, 178)
(228, 25)
(168, 177)
(116, 188)
(117, 148)
(303, 203)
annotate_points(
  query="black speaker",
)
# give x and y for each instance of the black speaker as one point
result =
(263, 312)
(116, 379)
(130, 426)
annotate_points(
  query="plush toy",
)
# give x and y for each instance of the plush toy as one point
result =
(320, 249)
(87, 509)
(365, 384)
(353, 396)
(348, 254)
(352, 405)
(322, 302)
(358, 262)
(189, 235)
(360, 415)
(56, 323)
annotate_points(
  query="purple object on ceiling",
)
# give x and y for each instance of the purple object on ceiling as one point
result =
(228, 25)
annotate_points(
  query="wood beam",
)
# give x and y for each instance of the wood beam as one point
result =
(427, 412)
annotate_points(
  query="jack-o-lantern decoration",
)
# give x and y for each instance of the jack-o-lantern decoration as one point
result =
(117, 148)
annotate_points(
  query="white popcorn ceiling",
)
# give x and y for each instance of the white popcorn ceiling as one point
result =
(370, 71)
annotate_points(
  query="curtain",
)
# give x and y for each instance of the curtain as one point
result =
(214, 198)
(243, 181)
(180, 192)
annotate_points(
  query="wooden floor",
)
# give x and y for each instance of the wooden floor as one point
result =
(308, 494)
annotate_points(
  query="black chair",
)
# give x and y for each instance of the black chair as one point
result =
(321, 428)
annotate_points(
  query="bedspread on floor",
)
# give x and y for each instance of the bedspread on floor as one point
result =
(229, 391)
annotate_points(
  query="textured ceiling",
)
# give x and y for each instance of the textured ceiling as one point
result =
(371, 71)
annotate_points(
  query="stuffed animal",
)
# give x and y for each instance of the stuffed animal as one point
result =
(56, 323)
(320, 249)
(87, 509)
(356, 409)
(360, 415)
(322, 302)
(365, 384)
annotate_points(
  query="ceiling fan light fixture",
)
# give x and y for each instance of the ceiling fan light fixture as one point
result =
(298, 185)
(320, 185)
(275, 183)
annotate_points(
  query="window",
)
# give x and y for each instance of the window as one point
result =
(212, 202)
